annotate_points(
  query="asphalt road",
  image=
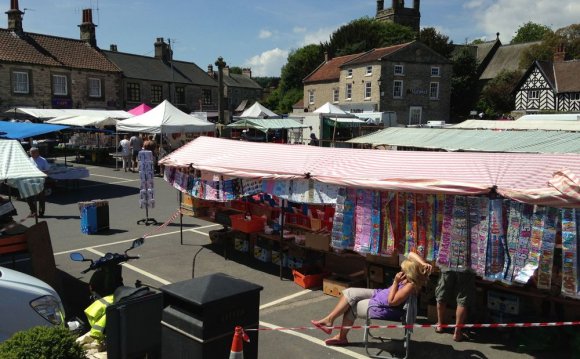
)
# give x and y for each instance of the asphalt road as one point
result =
(164, 260)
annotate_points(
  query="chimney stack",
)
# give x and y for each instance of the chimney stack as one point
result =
(14, 17)
(560, 54)
(88, 28)
(246, 71)
(113, 48)
(226, 71)
(380, 5)
(162, 50)
(210, 70)
(416, 4)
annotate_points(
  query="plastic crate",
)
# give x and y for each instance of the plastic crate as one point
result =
(240, 223)
(306, 280)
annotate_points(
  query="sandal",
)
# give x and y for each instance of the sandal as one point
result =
(321, 327)
(332, 342)
(439, 330)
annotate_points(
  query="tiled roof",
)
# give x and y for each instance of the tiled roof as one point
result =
(566, 74)
(29, 48)
(377, 54)
(507, 57)
(329, 70)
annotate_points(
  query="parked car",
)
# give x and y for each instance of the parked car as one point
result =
(26, 302)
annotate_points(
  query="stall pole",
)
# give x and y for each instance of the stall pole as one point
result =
(117, 152)
(283, 205)
(334, 132)
(181, 221)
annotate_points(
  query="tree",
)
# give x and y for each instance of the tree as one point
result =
(301, 62)
(569, 36)
(463, 84)
(236, 70)
(436, 41)
(497, 96)
(366, 33)
(531, 31)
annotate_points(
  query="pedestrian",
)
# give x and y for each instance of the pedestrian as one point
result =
(355, 302)
(458, 285)
(151, 145)
(125, 146)
(43, 165)
(136, 144)
(313, 140)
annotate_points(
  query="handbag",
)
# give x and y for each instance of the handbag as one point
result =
(120, 148)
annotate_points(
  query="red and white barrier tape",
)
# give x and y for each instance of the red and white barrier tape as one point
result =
(409, 326)
(165, 224)
(12, 225)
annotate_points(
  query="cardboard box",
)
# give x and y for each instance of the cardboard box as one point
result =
(276, 258)
(242, 245)
(432, 314)
(334, 285)
(317, 241)
(503, 302)
(262, 254)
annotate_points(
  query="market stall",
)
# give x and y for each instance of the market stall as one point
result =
(271, 124)
(511, 218)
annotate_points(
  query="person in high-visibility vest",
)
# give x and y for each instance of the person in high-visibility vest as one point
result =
(96, 315)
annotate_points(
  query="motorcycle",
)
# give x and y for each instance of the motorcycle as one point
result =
(108, 275)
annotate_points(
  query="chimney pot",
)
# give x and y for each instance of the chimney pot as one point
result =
(14, 4)
(88, 28)
(113, 47)
(14, 17)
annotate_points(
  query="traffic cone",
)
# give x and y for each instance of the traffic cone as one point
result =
(237, 351)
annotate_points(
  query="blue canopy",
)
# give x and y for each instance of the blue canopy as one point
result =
(19, 130)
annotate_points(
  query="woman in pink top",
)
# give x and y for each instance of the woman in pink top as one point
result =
(354, 302)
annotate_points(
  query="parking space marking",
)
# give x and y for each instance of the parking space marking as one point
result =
(133, 268)
(108, 184)
(118, 178)
(278, 301)
(317, 341)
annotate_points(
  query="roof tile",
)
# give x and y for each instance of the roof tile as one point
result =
(330, 70)
(566, 74)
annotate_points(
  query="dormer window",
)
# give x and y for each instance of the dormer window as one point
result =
(435, 71)
(369, 71)
(349, 73)
(399, 70)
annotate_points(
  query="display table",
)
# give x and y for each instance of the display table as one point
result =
(69, 176)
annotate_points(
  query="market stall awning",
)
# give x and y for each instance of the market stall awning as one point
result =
(18, 130)
(55, 112)
(519, 125)
(17, 168)
(522, 177)
(84, 121)
(476, 140)
(258, 110)
(267, 124)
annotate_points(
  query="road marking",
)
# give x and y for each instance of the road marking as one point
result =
(118, 178)
(108, 184)
(317, 341)
(131, 240)
(278, 301)
(133, 268)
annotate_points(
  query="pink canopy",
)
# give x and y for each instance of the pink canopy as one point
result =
(531, 178)
(139, 110)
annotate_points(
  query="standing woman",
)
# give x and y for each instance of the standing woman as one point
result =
(355, 302)
(126, 152)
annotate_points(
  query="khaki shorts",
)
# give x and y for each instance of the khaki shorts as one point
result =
(456, 285)
(358, 300)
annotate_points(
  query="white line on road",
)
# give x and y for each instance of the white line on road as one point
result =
(119, 178)
(317, 341)
(133, 268)
(292, 296)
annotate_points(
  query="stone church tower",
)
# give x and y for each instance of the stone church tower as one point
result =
(399, 14)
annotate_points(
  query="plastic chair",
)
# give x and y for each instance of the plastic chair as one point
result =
(408, 317)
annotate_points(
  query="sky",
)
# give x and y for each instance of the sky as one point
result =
(261, 33)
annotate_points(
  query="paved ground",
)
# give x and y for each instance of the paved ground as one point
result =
(164, 260)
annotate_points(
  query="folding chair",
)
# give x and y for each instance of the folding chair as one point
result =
(408, 317)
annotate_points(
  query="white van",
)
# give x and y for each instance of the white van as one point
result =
(26, 302)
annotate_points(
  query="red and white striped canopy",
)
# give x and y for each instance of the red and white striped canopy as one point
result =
(531, 178)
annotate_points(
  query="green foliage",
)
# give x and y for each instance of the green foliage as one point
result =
(236, 70)
(569, 36)
(531, 31)
(477, 42)
(288, 99)
(42, 342)
(367, 33)
(436, 41)
(267, 82)
(497, 96)
(463, 84)
(300, 63)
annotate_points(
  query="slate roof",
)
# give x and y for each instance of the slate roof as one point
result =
(237, 80)
(507, 57)
(376, 54)
(329, 70)
(567, 76)
(38, 49)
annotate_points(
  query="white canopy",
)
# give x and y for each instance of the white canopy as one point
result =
(551, 117)
(330, 109)
(257, 110)
(165, 118)
(82, 121)
(19, 170)
(53, 112)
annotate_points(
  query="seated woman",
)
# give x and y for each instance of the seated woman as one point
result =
(354, 302)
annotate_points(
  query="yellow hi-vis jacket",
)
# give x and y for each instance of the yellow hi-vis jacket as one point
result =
(96, 315)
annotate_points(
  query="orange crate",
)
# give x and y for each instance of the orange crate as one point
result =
(239, 223)
(308, 280)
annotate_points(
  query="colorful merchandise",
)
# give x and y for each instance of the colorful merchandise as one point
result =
(496, 246)
(512, 237)
(422, 224)
(547, 249)
(533, 260)
(388, 207)
(524, 243)
(343, 224)
(444, 253)
(570, 232)
(410, 237)
(458, 260)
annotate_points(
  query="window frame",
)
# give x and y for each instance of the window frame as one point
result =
(399, 73)
(436, 73)
(369, 70)
(348, 73)
(15, 82)
(206, 95)
(90, 87)
(133, 88)
(156, 93)
(368, 90)
(395, 82)
(335, 95)
(348, 92)
(536, 94)
(311, 97)
(180, 95)
(575, 96)
(436, 97)
(55, 83)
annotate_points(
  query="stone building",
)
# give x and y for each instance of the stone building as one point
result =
(399, 14)
(46, 71)
(240, 90)
(409, 79)
(151, 80)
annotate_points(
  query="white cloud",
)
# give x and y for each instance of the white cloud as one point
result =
(506, 16)
(264, 34)
(299, 30)
(473, 4)
(268, 63)
(318, 36)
